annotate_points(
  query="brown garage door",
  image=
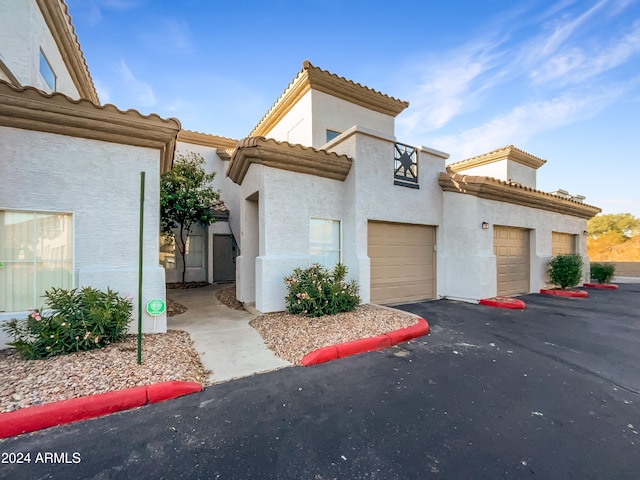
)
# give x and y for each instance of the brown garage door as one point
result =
(511, 248)
(402, 262)
(562, 243)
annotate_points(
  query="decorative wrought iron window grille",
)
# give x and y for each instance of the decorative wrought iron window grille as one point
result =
(405, 170)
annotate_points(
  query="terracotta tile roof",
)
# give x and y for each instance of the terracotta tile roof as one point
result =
(493, 189)
(286, 156)
(32, 109)
(311, 77)
(206, 140)
(56, 15)
(505, 153)
(220, 210)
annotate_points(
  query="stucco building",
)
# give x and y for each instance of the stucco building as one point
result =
(70, 170)
(321, 178)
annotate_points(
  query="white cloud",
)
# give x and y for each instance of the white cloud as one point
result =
(104, 92)
(451, 87)
(141, 91)
(575, 65)
(524, 121)
(169, 35)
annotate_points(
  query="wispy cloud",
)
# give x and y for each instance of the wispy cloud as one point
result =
(169, 34)
(91, 11)
(141, 91)
(529, 84)
(450, 88)
(525, 121)
(576, 65)
(104, 92)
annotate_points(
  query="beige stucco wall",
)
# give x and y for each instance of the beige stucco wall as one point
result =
(23, 32)
(506, 170)
(99, 184)
(296, 126)
(281, 222)
(467, 259)
(372, 195)
(308, 120)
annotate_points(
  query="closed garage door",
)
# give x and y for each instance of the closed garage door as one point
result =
(402, 262)
(511, 248)
(562, 243)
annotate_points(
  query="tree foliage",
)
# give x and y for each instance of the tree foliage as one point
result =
(623, 223)
(186, 195)
(610, 235)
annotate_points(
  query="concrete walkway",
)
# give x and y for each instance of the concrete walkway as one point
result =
(227, 345)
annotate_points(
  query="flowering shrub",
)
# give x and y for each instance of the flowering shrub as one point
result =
(74, 321)
(316, 291)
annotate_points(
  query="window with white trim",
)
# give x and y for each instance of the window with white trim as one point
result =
(194, 251)
(47, 72)
(36, 254)
(324, 244)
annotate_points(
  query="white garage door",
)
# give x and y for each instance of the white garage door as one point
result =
(562, 243)
(402, 262)
(511, 248)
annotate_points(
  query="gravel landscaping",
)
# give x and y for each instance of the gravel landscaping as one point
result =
(291, 337)
(165, 356)
(171, 356)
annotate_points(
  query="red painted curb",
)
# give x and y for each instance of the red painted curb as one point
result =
(159, 392)
(321, 355)
(405, 334)
(514, 303)
(30, 419)
(363, 345)
(601, 286)
(565, 293)
(341, 350)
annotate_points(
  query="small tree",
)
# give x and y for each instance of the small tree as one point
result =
(565, 270)
(186, 195)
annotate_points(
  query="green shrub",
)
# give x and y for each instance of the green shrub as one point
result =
(566, 270)
(72, 321)
(315, 291)
(602, 273)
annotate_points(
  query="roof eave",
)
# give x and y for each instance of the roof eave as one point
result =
(31, 109)
(493, 189)
(285, 156)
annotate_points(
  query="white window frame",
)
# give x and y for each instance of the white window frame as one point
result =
(340, 241)
(204, 250)
(7, 315)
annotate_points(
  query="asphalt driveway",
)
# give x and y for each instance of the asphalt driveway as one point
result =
(550, 393)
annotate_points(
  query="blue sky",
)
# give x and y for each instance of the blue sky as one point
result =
(558, 79)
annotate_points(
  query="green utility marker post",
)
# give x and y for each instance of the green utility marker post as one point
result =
(140, 246)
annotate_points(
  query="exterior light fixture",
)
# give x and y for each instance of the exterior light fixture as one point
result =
(485, 226)
(584, 233)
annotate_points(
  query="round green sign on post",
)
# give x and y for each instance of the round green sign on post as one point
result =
(155, 307)
(1, 265)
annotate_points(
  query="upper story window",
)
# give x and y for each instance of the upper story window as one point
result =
(405, 169)
(47, 72)
(331, 134)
